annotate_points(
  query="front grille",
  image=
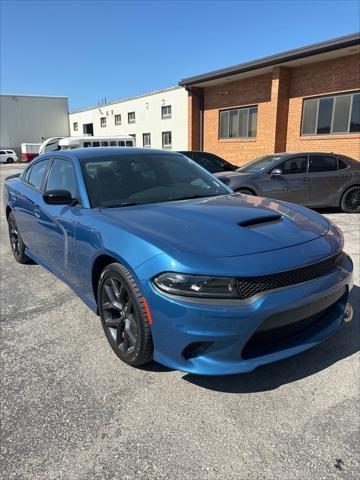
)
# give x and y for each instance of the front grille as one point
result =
(274, 335)
(262, 343)
(250, 286)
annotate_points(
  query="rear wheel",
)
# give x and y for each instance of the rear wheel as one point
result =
(16, 242)
(245, 191)
(9, 160)
(123, 315)
(350, 201)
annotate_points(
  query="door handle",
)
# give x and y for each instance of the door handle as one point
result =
(37, 212)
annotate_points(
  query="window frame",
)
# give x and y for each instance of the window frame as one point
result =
(166, 116)
(115, 119)
(102, 122)
(76, 126)
(245, 108)
(148, 134)
(166, 146)
(130, 113)
(333, 97)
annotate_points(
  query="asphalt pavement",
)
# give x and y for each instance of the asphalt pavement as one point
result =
(72, 410)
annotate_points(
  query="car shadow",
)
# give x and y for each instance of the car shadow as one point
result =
(324, 210)
(344, 343)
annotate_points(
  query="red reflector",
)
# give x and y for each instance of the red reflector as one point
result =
(147, 310)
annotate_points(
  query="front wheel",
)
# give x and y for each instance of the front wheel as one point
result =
(350, 201)
(124, 317)
(16, 242)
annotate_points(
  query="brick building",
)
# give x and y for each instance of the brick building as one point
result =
(303, 99)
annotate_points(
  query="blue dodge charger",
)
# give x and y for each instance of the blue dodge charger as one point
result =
(179, 268)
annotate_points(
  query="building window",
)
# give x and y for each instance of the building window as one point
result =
(131, 117)
(103, 121)
(146, 140)
(76, 126)
(331, 115)
(118, 119)
(134, 137)
(166, 140)
(166, 111)
(238, 123)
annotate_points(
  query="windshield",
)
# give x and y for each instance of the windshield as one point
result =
(125, 180)
(260, 164)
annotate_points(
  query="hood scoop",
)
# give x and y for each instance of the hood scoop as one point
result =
(256, 222)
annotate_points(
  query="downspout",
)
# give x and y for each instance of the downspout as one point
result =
(201, 122)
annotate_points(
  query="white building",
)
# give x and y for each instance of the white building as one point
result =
(31, 119)
(157, 119)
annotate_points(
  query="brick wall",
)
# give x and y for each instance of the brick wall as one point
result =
(279, 97)
(250, 91)
(331, 76)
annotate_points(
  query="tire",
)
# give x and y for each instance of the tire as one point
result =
(16, 242)
(350, 201)
(123, 315)
(245, 191)
(9, 160)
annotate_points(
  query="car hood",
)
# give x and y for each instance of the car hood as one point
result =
(223, 226)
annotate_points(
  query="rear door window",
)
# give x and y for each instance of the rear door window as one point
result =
(322, 163)
(37, 174)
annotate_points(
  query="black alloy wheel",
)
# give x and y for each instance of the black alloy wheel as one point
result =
(350, 202)
(16, 242)
(123, 315)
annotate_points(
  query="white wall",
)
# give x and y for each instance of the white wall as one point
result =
(32, 119)
(147, 109)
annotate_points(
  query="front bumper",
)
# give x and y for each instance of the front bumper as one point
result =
(217, 337)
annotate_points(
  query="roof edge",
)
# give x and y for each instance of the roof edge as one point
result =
(135, 97)
(303, 52)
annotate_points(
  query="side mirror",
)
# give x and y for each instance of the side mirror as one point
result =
(276, 172)
(58, 197)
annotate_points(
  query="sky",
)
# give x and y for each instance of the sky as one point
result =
(90, 50)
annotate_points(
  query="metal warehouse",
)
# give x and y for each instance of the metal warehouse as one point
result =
(32, 119)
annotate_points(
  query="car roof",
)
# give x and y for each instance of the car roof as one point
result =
(94, 152)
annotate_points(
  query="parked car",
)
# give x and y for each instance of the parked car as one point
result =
(211, 162)
(307, 178)
(8, 156)
(179, 268)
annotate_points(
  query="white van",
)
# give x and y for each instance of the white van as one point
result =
(66, 143)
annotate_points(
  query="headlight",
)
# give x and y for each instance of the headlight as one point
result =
(196, 285)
